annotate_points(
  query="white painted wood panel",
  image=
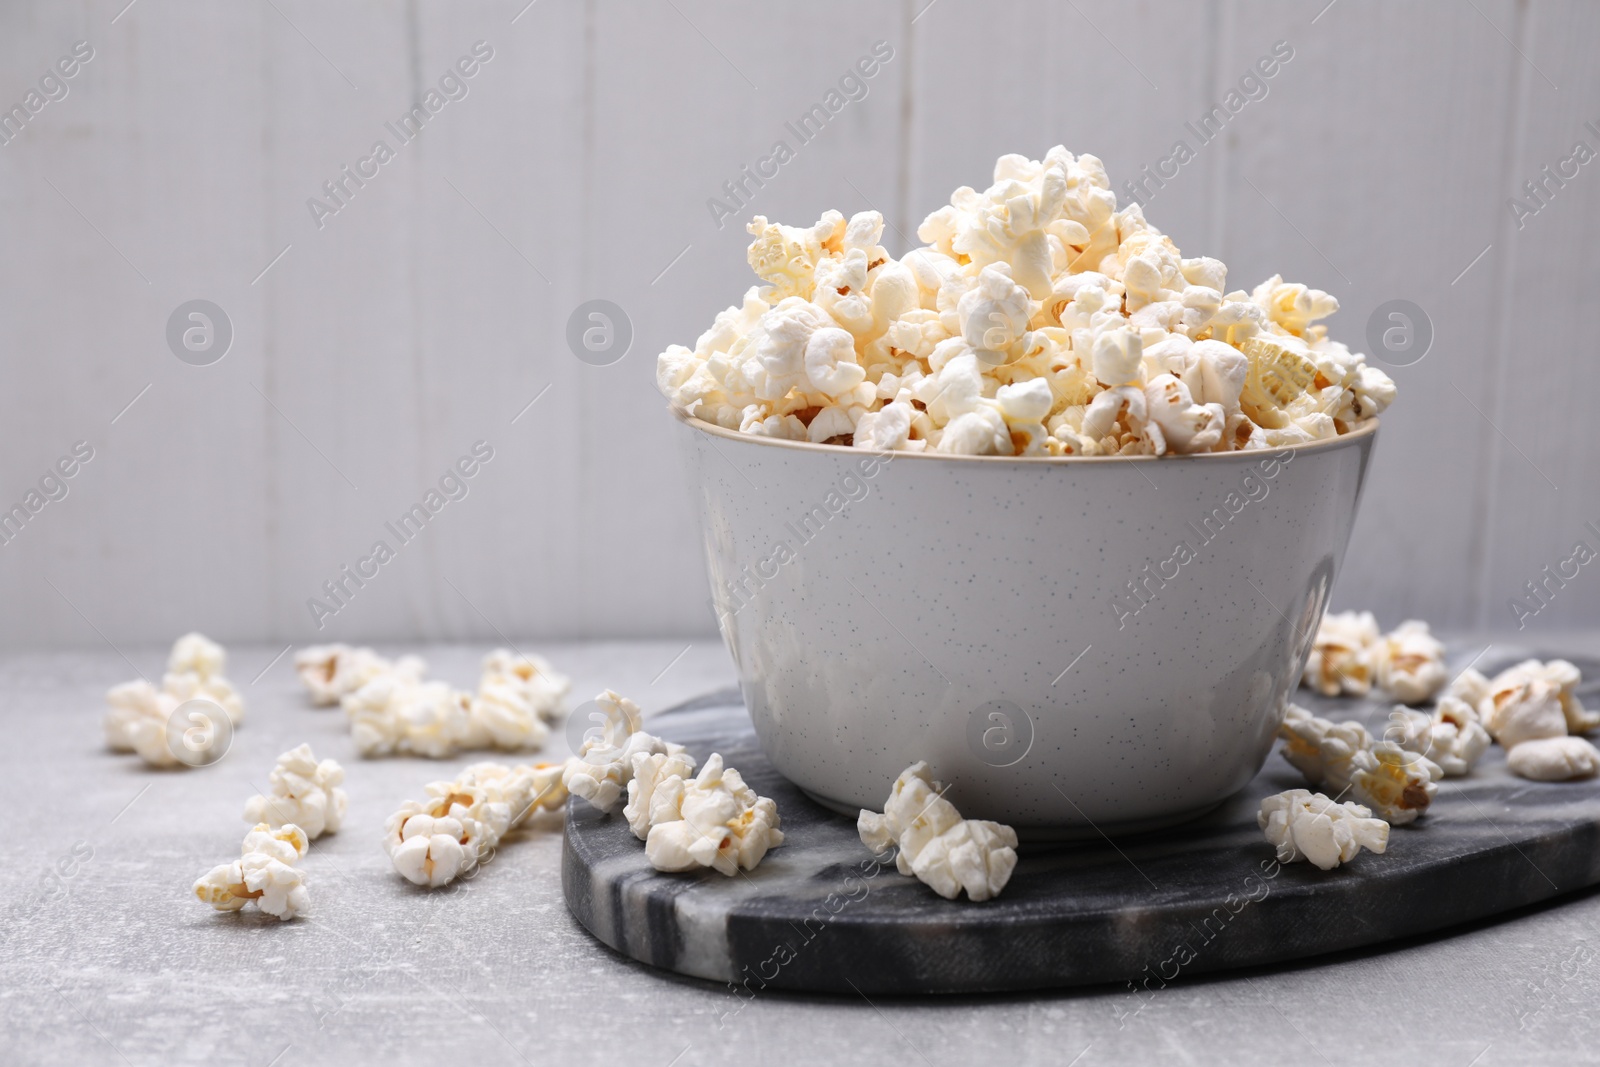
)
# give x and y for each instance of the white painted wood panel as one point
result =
(1544, 480)
(428, 311)
(1371, 171)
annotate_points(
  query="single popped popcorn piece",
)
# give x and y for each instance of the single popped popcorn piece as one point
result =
(1520, 706)
(265, 873)
(1469, 687)
(1342, 654)
(1322, 750)
(1453, 736)
(1395, 783)
(1554, 759)
(332, 672)
(1410, 663)
(1559, 673)
(304, 793)
(651, 770)
(433, 841)
(944, 851)
(710, 820)
(1302, 825)
(195, 653)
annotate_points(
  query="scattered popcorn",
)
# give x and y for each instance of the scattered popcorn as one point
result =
(1343, 758)
(1564, 676)
(264, 873)
(945, 851)
(1453, 736)
(710, 820)
(1303, 825)
(1341, 654)
(1410, 662)
(1554, 759)
(332, 672)
(1349, 657)
(433, 841)
(1037, 320)
(305, 793)
(604, 765)
(137, 712)
(394, 711)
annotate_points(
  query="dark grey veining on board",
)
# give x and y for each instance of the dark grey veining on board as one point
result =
(820, 914)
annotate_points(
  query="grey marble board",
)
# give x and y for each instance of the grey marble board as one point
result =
(821, 914)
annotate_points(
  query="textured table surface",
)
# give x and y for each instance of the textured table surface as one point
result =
(117, 963)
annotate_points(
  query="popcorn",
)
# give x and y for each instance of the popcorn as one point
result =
(601, 771)
(433, 841)
(1410, 663)
(1554, 759)
(1523, 706)
(138, 713)
(195, 653)
(1343, 758)
(1321, 750)
(304, 793)
(945, 851)
(1397, 784)
(396, 712)
(650, 771)
(1453, 736)
(1564, 676)
(1037, 279)
(1302, 825)
(1349, 657)
(264, 873)
(711, 820)
(332, 672)
(1469, 687)
(1341, 655)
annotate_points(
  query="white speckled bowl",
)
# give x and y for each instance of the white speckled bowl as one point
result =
(976, 612)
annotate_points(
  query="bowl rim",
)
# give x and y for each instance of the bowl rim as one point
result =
(1367, 428)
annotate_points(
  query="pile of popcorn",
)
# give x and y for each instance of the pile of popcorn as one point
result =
(1038, 320)
(138, 714)
(394, 710)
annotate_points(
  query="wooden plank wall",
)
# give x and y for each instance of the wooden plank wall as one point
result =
(427, 312)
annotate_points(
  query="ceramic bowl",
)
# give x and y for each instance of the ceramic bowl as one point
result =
(1076, 645)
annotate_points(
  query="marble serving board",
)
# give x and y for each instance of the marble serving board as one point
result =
(821, 914)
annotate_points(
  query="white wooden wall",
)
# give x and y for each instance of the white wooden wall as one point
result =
(428, 312)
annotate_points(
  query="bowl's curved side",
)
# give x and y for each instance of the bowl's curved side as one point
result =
(1067, 644)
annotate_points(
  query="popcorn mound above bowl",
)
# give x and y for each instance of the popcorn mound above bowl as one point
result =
(1038, 320)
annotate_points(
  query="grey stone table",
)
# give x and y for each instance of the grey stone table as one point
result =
(110, 960)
